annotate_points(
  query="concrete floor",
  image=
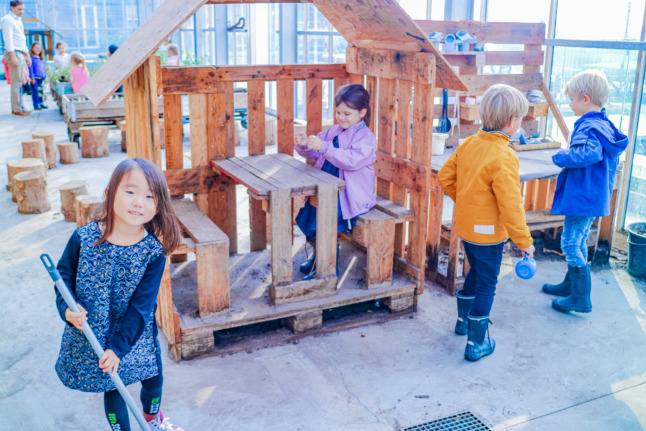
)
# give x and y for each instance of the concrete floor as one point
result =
(550, 371)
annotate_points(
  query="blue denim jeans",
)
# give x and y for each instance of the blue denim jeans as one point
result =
(482, 278)
(574, 239)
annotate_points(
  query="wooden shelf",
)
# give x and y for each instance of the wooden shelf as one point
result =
(465, 58)
(472, 112)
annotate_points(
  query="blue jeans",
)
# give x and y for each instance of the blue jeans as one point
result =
(482, 278)
(574, 239)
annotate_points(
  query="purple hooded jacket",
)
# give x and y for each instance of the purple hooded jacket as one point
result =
(354, 158)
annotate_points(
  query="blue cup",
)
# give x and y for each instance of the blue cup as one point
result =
(526, 268)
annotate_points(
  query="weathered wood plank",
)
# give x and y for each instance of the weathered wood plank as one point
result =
(314, 105)
(173, 131)
(380, 229)
(372, 89)
(402, 150)
(490, 32)
(386, 132)
(410, 175)
(389, 64)
(326, 222)
(212, 261)
(285, 115)
(196, 224)
(400, 213)
(434, 227)
(478, 84)
(195, 180)
(281, 236)
(256, 117)
(555, 110)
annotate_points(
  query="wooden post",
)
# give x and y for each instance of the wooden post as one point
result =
(85, 206)
(69, 152)
(380, 231)
(326, 221)
(281, 245)
(69, 191)
(21, 165)
(94, 141)
(50, 146)
(34, 149)
(124, 139)
(31, 192)
(140, 93)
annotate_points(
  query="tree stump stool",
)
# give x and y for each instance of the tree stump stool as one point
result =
(50, 146)
(85, 206)
(16, 166)
(69, 152)
(34, 149)
(31, 192)
(69, 192)
(124, 143)
(94, 141)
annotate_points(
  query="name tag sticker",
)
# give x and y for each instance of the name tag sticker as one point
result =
(484, 229)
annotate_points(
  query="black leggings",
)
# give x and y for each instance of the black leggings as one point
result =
(116, 409)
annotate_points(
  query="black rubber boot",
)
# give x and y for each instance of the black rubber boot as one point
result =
(477, 345)
(579, 299)
(562, 289)
(464, 306)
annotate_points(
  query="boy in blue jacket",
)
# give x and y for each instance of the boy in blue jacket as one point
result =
(584, 186)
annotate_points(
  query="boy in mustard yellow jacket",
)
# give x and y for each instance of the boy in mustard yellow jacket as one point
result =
(481, 177)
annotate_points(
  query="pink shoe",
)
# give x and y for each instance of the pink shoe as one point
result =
(163, 424)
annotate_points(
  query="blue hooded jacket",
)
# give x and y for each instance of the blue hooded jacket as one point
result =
(584, 186)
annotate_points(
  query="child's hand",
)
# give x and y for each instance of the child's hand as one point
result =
(33, 81)
(530, 251)
(109, 362)
(301, 139)
(314, 143)
(76, 319)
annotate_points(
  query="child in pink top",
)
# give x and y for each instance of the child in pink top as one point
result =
(79, 74)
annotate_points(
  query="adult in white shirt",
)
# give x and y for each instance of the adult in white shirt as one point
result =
(16, 53)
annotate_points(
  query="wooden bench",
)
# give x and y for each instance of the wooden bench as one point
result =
(211, 248)
(375, 231)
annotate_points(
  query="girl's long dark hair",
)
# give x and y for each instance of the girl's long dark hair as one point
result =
(42, 51)
(356, 97)
(164, 224)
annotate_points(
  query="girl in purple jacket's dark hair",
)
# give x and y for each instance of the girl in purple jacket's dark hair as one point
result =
(346, 150)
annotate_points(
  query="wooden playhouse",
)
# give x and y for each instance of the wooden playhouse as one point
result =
(383, 259)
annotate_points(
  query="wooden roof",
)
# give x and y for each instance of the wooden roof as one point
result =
(363, 23)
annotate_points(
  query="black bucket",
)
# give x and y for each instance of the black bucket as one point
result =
(637, 249)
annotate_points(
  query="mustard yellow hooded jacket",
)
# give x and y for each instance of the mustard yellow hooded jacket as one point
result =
(481, 177)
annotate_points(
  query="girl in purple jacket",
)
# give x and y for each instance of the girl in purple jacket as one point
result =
(37, 75)
(345, 150)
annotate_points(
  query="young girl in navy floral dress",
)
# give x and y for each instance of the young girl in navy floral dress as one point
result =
(346, 150)
(113, 266)
(37, 75)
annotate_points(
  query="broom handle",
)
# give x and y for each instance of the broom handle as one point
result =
(89, 334)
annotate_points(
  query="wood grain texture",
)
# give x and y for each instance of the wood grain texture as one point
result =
(285, 116)
(390, 64)
(314, 105)
(490, 32)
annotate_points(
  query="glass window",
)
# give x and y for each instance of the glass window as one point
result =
(636, 204)
(617, 20)
(416, 9)
(509, 11)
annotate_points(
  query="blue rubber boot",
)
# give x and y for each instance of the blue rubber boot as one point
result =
(477, 345)
(579, 299)
(464, 306)
(311, 275)
(562, 289)
(306, 267)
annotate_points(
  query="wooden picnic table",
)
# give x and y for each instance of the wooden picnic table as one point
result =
(278, 178)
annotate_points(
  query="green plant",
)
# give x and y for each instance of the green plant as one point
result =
(59, 74)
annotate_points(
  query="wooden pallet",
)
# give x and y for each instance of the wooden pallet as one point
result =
(250, 278)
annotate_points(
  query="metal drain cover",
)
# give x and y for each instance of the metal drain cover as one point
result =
(465, 421)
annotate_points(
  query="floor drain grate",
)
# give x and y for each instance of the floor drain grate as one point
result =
(466, 421)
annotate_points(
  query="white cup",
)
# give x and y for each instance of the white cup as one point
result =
(439, 141)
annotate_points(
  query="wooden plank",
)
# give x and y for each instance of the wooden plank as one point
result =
(173, 131)
(229, 109)
(195, 180)
(225, 203)
(372, 89)
(281, 236)
(143, 42)
(326, 222)
(530, 58)
(256, 117)
(233, 169)
(386, 131)
(380, 228)
(535, 68)
(542, 194)
(197, 225)
(318, 176)
(398, 212)
(381, 24)
(410, 175)
(490, 32)
(402, 150)
(212, 261)
(454, 255)
(555, 110)
(279, 174)
(305, 290)
(285, 115)
(472, 112)
(531, 188)
(142, 109)
(389, 64)
(434, 227)
(470, 59)
(478, 84)
(203, 79)
(314, 105)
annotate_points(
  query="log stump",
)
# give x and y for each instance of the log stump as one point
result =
(69, 192)
(31, 192)
(69, 152)
(124, 143)
(34, 149)
(85, 206)
(16, 166)
(50, 146)
(94, 141)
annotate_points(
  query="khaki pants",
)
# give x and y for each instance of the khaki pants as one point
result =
(15, 74)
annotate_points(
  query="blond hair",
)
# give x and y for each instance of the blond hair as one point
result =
(501, 104)
(77, 59)
(592, 83)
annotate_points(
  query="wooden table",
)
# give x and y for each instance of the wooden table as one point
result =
(278, 178)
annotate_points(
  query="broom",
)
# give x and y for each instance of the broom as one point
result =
(71, 303)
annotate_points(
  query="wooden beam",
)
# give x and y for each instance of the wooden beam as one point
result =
(203, 79)
(490, 32)
(314, 105)
(143, 42)
(391, 64)
(173, 132)
(285, 115)
(408, 174)
(478, 84)
(555, 110)
(386, 133)
(195, 180)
